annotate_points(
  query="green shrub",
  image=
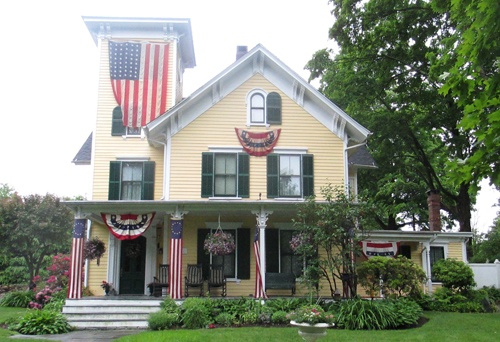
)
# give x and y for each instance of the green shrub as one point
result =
(40, 322)
(400, 276)
(279, 317)
(407, 312)
(163, 320)
(358, 314)
(55, 305)
(250, 317)
(225, 319)
(195, 313)
(17, 299)
(454, 275)
(169, 305)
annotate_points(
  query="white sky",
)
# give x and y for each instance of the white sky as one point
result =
(50, 68)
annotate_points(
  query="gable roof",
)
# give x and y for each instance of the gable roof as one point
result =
(84, 155)
(257, 61)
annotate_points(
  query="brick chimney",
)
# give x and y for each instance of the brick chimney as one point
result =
(241, 51)
(434, 203)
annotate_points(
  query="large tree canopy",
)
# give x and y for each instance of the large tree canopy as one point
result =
(381, 76)
(33, 227)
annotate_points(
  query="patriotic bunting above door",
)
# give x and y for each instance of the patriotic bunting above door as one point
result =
(386, 249)
(258, 143)
(128, 226)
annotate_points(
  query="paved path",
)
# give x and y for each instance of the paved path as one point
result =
(83, 335)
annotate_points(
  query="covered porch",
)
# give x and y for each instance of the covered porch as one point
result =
(173, 237)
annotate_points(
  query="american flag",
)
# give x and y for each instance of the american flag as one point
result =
(75, 278)
(175, 288)
(259, 286)
(139, 75)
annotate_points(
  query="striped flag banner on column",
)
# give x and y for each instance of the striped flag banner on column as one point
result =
(175, 288)
(259, 287)
(76, 267)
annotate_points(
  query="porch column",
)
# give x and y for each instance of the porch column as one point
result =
(261, 216)
(176, 245)
(76, 266)
(426, 262)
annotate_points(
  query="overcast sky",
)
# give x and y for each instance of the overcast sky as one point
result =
(50, 68)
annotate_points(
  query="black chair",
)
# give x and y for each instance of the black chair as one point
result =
(162, 281)
(217, 279)
(193, 278)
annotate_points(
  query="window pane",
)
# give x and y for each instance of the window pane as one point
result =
(289, 186)
(290, 165)
(257, 108)
(225, 175)
(131, 181)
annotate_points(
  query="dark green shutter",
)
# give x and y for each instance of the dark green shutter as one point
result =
(307, 175)
(243, 175)
(272, 250)
(207, 174)
(117, 127)
(272, 176)
(243, 250)
(115, 168)
(273, 108)
(148, 181)
(202, 257)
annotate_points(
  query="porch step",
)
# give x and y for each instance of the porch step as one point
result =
(112, 313)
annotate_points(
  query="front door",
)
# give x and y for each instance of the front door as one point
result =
(133, 266)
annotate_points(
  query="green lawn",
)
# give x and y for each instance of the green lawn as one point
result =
(441, 327)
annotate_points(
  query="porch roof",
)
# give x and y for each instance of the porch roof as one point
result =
(415, 236)
(281, 209)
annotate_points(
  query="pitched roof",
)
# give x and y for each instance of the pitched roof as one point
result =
(84, 155)
(257, 61)
(362, 158)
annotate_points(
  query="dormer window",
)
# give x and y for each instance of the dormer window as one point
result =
(264, 109)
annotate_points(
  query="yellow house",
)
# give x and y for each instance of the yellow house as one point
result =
(239, 154)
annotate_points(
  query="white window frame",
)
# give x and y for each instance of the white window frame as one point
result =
(249, 108)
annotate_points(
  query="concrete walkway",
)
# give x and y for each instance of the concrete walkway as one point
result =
(83, 335)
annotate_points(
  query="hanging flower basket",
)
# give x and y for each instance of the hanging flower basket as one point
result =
(94, 249)
(219, 243)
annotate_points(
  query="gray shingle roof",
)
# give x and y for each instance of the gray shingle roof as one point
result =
(362, 158)
(84, 156)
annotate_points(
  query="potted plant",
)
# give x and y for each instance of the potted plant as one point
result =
(312, 321)
(94, 249)
(219, 243)
(106, 286)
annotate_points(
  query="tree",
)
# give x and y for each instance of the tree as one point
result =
(487, 249)
(330, 231)
(33, 227)
(382, 77)
(468, 63)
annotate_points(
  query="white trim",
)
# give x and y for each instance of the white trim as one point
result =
(290, 150)
(248, 105)
(212, 198)
(133, 158)
(225, 149)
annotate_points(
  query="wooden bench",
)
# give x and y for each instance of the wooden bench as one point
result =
(280, 281)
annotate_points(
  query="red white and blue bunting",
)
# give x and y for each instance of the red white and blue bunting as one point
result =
(128, 226)
(380, 248)
(258, 143)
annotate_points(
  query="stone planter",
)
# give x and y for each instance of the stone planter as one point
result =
(311, 332)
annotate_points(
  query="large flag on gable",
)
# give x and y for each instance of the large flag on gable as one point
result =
(138, 74)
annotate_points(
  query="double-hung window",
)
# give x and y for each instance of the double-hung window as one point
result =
(436, 253)
(280, 257)
(290, 175)
(264, 109)
(236, 264)
(117, 128)
(131, 180)
(225, 175)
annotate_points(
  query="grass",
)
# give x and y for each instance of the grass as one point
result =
(441, 327)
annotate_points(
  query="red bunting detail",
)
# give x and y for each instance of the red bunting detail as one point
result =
(128, 226)
(258, 143)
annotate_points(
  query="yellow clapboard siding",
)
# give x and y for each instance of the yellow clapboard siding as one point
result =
(216, 128)
(98, 273)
